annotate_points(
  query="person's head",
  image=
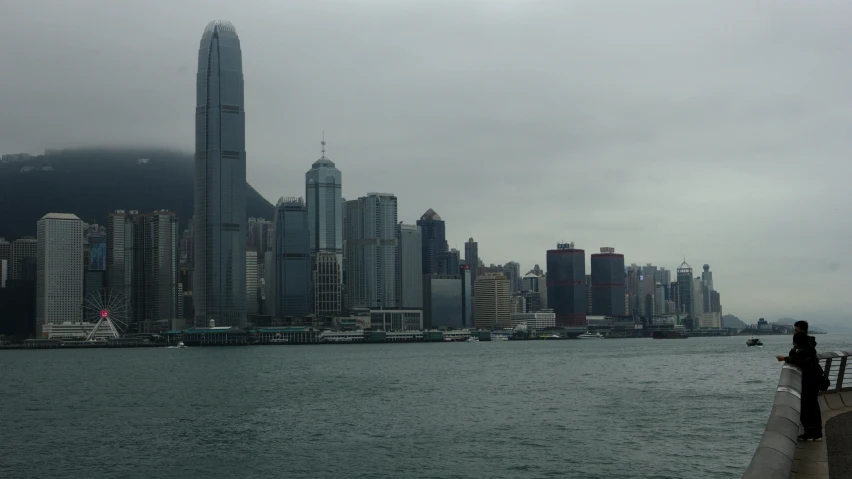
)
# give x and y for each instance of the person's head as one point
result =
(800, 339)
(800, 326)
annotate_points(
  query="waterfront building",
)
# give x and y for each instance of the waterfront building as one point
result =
(293, 275)
(370, 225)
(492, 302)
(219, 285)
(566, 285)
(410, 268)
(433, 242)
(535, 321)
(59, 284)
(396, 319)
(443, 301)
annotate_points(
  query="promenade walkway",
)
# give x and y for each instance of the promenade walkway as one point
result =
(781, 455)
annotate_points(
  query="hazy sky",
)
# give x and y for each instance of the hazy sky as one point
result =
(719, 130)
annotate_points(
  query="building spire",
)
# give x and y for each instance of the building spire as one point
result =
(323, 143)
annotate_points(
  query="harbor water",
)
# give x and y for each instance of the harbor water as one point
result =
(631, 408)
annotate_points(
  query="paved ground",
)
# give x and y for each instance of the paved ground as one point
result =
(839, 430)
(831, 457)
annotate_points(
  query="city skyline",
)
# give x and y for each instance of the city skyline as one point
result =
(702, 156)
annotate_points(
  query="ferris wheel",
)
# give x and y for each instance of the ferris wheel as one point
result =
(109, 307)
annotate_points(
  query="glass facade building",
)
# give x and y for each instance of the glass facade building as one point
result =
(433, 242)
(443, 301)
(410, 284)
(371, 251)
(219, 284)
(566, 286)
(292, 277)
(608, 283)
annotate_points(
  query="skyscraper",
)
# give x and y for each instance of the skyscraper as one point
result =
(684, 286)
(410, 284)
(493, 302)
(433, 241)
(323, 190)
(22, 248)
(608, 288)
(59, 283)
(219, 286)
(371, 251)
(471, 257)
(292, 277)
(566, 284)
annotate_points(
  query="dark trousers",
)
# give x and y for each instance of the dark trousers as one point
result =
(811, 416)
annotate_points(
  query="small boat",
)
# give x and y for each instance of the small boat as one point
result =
(591, 335)
(177, 346)
(472, 340)
(499, 338)
(754, 342)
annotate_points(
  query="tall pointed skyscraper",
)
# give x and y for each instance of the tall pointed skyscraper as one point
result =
(323, 189)
(219, 284)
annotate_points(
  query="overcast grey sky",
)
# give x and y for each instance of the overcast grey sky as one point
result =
(715, 129)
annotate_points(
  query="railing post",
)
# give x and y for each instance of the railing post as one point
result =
(840, 373)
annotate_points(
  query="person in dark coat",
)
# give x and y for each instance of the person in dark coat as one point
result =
(799, 327)
(804, 357)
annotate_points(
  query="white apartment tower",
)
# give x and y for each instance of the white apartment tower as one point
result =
(59, 281)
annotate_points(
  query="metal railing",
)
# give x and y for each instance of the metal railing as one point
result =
(777, 449)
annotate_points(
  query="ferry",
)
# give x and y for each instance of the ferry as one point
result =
(472, 340)
(591, 335)
(754, 342)
(671, 334)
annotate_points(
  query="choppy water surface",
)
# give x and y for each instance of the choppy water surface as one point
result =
(600, 408)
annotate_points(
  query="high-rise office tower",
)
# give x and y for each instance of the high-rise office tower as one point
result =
(493, 302)
(6, 254)
(323, 197)
(292, 276)
(566, 285)
(154, 284)
(450, 262)
(410, 284)
(371, 251)
(141, 263)
(466, 275)
(433, 241)
(59, 283)
(22, 248)
(219, 286)
(328, 288)
(512, 271)
(471, 257)
(608, 288)
(251, 281)
(443, 301)
(119, 274)
(707, 277)
(684, 287)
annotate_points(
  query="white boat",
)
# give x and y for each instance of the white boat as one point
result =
(499, 338)
(177, 346)
(472, 340)
(591, 335)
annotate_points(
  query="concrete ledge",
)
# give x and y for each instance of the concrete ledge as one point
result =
(779, 454)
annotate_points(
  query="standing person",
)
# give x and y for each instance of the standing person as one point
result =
(799, 327)
(804, 357)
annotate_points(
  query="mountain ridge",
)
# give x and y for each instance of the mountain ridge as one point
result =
(143, 179)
